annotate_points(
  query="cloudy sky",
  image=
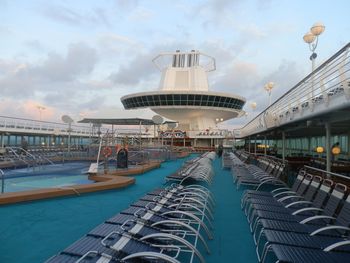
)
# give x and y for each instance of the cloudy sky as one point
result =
(79, 57)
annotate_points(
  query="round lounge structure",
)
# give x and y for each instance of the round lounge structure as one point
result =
(184, 96)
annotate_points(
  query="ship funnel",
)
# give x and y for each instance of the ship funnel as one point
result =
(180, 59)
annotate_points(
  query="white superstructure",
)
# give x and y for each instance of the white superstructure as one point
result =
(184, 94)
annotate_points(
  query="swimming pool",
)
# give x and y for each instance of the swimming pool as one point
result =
(57, 175)
(35, 231)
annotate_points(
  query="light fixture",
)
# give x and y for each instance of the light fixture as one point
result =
(319, 149)
(253, 105)
(336, 150)
(268, 87)
(311, 38)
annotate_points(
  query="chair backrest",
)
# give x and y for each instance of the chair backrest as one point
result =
(323, 193)
(313, 187)
(304, 184)
(343, 217)
(335, 198)
(298, 180)
(279, 169)
(270, 167)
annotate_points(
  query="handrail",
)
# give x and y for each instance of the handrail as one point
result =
(330, 173)
(2, 181)
(332, 74)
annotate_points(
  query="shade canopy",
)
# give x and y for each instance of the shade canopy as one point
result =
(122, 121)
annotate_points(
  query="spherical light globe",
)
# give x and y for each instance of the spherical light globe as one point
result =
(253, 105)
(336, 150)
(319, 149)
(270, 85)
(317, 29)
(309, 37)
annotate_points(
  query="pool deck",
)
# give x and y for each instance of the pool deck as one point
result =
(115, 180)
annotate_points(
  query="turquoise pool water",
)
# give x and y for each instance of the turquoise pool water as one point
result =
(45, 176)
(33, 232)
(44, 181)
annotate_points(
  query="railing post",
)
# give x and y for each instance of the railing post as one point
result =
(328, 146)
(255, 141)
(283, 146)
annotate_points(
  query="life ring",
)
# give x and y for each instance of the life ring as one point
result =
(107, 151)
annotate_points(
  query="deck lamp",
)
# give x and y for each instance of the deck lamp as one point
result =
(311, 38)
(319, 149)
(268, 87)
(253, 105)
(336, 150)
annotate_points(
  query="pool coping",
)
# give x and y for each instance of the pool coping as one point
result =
(102, 182)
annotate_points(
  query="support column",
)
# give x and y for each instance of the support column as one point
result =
(265, 145)
(348, 137)
(309, 145)
(249, 145)
(140, 138)
(255, 141)
(328, 146)
(283, 146)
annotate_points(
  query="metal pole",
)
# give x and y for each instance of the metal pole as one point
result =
(249, 144)
(328, 146)
(313, 77)
(172, 139)
(2, 181)
(265, 145)
(69, 131)
(140, 136)
(283, 146)
(154, 134)
(349, 144)
(255, 141)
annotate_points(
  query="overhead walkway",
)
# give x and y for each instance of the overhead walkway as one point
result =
(319, 105)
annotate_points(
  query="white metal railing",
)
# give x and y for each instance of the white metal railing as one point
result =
(331, 79)
(11, 124)
(28, 126)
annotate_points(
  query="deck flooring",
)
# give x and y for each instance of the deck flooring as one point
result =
(233, 241)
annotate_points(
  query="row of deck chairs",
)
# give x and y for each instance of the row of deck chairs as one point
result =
(265, 171)
(170, 224)
(195, 170)
(308, 222)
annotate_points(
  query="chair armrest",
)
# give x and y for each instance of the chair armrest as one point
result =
(336, 245)
(280, 189)
(298, 203)
(322, 229)
(307, 209)
(311, 218)
(289, 197)
(285, 192)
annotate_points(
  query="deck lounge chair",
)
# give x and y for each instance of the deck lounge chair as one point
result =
(329, 209)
